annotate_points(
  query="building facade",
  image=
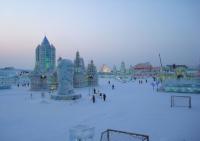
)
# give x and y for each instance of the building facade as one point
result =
(45, 57)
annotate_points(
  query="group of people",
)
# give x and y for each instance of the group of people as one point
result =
(141, 81)
(23, 85)
(100, 94)
(113, 86)
(95, 94)
(153, 84)
(42, 95)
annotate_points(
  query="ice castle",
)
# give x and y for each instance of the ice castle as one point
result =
(92, 74)
(45, 75)
(122, 69)
(80, 78)
(44, 72)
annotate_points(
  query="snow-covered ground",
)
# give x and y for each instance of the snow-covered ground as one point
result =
(130, 107)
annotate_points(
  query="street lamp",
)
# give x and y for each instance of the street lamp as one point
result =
(42, 77)
(90, 78)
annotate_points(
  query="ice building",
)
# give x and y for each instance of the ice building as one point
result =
(92, 74)
(105, 69)
(122, 69)
(44, 66)
(45, 56)
(144, 70)
(80, 77)
(5, 80)
(23, 78)
(12, 73)
(114, 70)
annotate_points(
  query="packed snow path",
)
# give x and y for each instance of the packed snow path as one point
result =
(130, 107)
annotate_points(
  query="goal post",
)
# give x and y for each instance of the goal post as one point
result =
(181, 101)
(116, 135)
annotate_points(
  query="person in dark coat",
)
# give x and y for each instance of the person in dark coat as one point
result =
(104, 97)
(113, 86)
(93, 99)
(153, 85)
(94, 91)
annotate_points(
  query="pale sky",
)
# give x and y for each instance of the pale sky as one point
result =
(107, 31)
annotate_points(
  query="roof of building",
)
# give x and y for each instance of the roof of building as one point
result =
(146, 65)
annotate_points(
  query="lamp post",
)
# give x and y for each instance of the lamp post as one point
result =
(42, 77)
(90, 78)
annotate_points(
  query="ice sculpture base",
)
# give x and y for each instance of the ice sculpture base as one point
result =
(66, 97)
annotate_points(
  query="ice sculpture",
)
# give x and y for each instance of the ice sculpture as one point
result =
(65, 71)
(180, 86)
(81, 133)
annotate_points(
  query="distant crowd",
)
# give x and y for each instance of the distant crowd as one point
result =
(101, 95)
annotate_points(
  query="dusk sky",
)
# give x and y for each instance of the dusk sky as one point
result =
(107, 31)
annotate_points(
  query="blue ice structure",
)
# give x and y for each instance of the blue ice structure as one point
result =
(81, 133)
(80, 76)
(5, 80)
(92, 74)
(43, 76)
(65, 72)
(181, 86)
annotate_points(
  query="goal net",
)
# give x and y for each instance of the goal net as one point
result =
(181, 101)
(115, 135)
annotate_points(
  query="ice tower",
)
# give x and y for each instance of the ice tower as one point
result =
(123, 69)
(80, 79)
(45, 56)
(43, 77)
(92, 74)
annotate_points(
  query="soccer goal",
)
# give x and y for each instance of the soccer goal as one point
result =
(115, 135)
(181, 101)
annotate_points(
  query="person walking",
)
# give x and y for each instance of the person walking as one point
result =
(104, 97)
(153, 85)
(113, 86)
(93, 99)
